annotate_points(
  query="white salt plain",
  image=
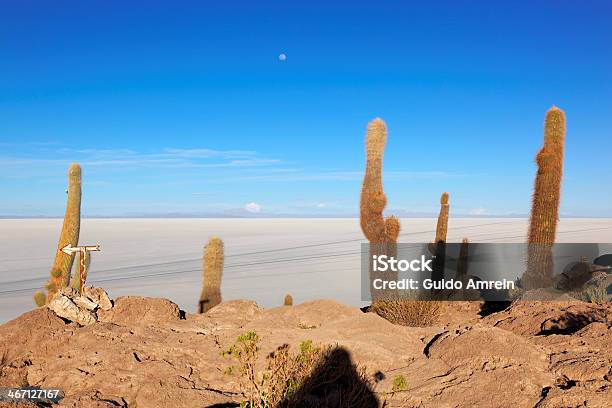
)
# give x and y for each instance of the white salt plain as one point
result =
(265, 258)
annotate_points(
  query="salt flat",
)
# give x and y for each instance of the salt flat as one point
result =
(265, 258)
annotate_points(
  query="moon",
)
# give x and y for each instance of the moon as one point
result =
(282, 57)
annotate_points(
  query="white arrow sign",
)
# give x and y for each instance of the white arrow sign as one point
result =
(84, 250)
(69, 249)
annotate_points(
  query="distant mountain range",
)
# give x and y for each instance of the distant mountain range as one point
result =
(241, 213)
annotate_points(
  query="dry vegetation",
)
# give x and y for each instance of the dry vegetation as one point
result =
(323, 375)
(408, 311)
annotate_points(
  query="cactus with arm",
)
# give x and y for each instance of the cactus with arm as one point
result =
(375, 227)
(380, 231)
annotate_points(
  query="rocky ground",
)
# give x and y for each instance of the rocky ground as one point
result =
(145, 352)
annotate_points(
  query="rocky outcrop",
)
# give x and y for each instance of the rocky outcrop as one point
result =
(144, 352)
(542, 318)
(137, 310)
(81, 309)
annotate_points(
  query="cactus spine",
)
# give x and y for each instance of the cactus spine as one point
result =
(213, 270)
(545, 203)
(380, 231)
(60, 272)
(288, 300)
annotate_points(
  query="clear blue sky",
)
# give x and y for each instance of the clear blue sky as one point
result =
(185, 107)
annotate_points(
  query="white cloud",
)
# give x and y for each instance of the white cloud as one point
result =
(321, 205)
(252, 207)
(478, 211)
(126, 158)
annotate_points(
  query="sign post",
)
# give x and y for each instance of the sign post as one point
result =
(84, 255)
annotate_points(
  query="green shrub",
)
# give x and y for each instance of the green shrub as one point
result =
(399, 383)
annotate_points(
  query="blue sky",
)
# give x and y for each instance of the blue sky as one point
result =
(186, 108)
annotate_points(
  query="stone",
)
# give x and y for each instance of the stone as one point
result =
(99, 296)
(138, 310)
(64, 307)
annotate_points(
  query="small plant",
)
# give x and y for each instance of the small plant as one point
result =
(594, 295)
(288, 301)
(408, 311)
(245, 352)
(291, 377)
(40, 298)
(399, 384)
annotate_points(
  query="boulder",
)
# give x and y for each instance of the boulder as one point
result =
(68, 304)
(138, 310)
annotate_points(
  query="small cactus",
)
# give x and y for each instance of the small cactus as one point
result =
(545, 204)
(288, 300)
(462, 262)
(213, 270)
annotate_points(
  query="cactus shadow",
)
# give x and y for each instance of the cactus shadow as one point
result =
(335, 382)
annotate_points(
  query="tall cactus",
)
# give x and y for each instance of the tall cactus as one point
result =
(380, 231)
(213, 270)
(438, 248)
(375, 227)
(462, 261)
(60, 272)
(545, 204)
(442, 226)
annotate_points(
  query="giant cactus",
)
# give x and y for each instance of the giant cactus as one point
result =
(213, 270)
(380, 231)
(60, 272)
(545, 204)
(375, 227)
